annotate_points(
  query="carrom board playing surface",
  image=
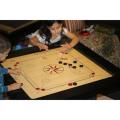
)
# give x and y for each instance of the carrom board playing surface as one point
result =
(48, 72)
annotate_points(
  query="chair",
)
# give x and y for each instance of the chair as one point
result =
(74, 25)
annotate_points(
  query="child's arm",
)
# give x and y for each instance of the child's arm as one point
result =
(14, 71)
(73, 37)
(34, 41)
(74, 41)
(10, 87)
(10, 71)
(14, 86)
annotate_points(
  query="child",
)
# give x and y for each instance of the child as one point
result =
(51, 33)
(4, 50)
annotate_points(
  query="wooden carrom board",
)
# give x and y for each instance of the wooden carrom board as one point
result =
(48, 72)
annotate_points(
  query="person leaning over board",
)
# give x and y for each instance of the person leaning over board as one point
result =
(5, 47)
(51, 34)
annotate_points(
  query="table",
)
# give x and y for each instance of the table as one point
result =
(50, 75)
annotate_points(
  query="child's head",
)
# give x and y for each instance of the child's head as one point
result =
(4, 47)
(50, 28)
(55, 26)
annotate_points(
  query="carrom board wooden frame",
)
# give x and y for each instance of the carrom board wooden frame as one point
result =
(38, 82)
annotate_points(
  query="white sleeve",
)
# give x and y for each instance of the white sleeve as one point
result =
(32, 34)
(36, 34)
(65, 31)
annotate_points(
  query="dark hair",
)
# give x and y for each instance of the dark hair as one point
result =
(4, 44)
(51, 22)
(45, 32)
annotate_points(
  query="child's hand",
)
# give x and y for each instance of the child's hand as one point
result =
(14, 71)
(14, 86)
(66, 45)
(43, 47)
(65, 48)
